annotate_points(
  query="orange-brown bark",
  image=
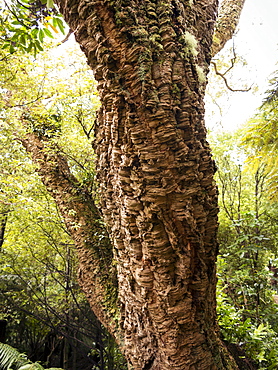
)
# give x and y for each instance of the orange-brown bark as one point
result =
(155, 173)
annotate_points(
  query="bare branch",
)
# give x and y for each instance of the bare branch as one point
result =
(67, 36)
(222, 75)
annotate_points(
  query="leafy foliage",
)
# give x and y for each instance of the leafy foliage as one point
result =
(248, 254)
(259, 341)
(25, 24)
(40, 297)
(10, 358)
(260, 138)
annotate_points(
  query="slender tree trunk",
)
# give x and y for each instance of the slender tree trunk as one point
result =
(3, 327)
(97, 276)
(3, 223)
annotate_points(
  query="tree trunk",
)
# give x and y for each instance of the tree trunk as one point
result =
(155, 174)
(3, 223)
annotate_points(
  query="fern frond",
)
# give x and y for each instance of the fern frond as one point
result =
(12, 359)
(32, 366)
(10, 356)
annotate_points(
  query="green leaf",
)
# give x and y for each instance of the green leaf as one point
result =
(6, 46)
(260, 332)
(23, 40)
(59, 22)
(41, 35)
(47, 32)
(50, 4)
(38, 45)
(14, 37)
(16, 23)
(26, 367)
(30, 46)
(34, 32)
(12, 49)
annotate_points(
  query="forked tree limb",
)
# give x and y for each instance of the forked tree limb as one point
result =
(222, 75)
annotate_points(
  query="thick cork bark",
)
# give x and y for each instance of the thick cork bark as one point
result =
(155, 173)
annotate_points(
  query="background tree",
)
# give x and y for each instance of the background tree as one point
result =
(248, 250)
(260, 137)
(40, 298)
(25, 24)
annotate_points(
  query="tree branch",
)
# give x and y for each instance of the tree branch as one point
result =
(229, 14)
(84, 223)
(222, 75)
